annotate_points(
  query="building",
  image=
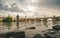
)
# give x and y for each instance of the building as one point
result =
(1, 18)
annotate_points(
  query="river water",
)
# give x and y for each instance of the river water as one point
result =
(41, 27)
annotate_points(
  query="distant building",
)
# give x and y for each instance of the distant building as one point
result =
(1, 18)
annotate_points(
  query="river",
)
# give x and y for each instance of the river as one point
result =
(41, 27)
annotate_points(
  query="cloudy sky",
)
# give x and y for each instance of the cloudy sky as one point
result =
(30, 8)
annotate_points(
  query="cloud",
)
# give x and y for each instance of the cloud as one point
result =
(39, 3)
(12, 8)
(40, 7)
(50, 3)
(36, 3)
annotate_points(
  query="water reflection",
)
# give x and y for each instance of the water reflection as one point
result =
(13, 25)
(8, 24)
(45, 23)
(40, 26)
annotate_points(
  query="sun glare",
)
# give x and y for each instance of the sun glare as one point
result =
(30, 8)
(33, 0)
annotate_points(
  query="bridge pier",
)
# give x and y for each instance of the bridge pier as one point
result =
(45, 21)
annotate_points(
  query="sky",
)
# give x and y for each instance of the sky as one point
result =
(30, 8)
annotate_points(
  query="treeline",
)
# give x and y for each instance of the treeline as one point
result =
(8, 19)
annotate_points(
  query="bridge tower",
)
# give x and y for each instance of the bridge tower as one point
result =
(17, 19)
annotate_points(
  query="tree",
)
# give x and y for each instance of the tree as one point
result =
(58, 18)
(8, 19)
